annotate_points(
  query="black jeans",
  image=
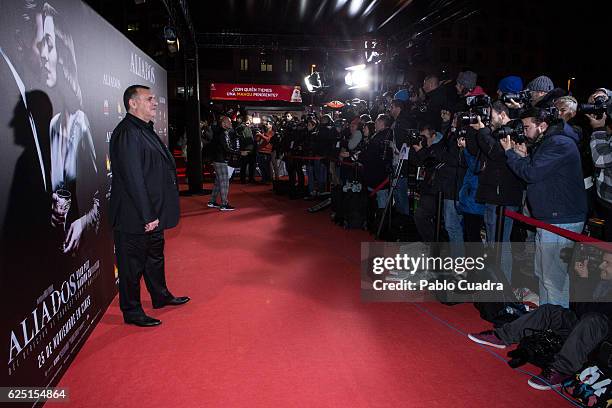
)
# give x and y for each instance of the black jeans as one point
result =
(250, 162)
(294, 168)
(138, 255)
(472, 225)
(425, 217)
(263, 159)
(584, 334)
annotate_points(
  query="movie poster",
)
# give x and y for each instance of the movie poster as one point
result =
(63, 70)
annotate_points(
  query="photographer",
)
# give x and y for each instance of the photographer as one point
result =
(429, 155)
(401, 126)
(435, 100)
(567, 107)
(248, 151)
(497, 184)
(292, 146)
(327, 139)
(510, 85)
(377, 158)
(555, 191)
(601, 151)
(543, 92)
(584, 327)
(466, 83)
(264, 152)
(315, 169)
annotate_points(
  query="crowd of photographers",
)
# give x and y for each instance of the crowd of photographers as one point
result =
(531, 149)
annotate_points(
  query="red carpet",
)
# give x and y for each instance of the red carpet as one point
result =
(276, 321)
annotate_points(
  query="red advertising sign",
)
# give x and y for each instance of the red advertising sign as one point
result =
(252, 92)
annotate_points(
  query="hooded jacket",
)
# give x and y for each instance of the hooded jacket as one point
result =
(553, 173)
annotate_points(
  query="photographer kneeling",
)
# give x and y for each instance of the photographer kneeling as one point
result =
(583, 327)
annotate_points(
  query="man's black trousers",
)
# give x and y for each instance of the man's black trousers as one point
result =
(138, 255)
(584, 333)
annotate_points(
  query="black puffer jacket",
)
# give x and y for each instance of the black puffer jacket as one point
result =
(435, 101)
(377, 159)
(451, 174)
(497, 184)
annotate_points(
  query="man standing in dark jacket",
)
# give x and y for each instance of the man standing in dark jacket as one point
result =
(144, 202)
(248, 150)
(223, 147)
(435, 100)
(497, 184)
(377, 159)
(402, 126)
(429, 157)
(555, 192)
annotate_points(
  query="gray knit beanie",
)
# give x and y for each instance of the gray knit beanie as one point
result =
(542, 84)
(467, 79)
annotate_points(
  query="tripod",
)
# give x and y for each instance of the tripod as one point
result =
(394, 180)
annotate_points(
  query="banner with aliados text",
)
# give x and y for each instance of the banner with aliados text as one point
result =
(63, 70)
(251, 92)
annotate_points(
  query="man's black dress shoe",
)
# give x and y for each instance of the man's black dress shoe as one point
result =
(142, 321)
(175, 301)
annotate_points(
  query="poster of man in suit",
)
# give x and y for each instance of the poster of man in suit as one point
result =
(63, 70)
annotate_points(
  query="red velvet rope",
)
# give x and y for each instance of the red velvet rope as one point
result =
(306, 157)
(379, 187)
(556, 230)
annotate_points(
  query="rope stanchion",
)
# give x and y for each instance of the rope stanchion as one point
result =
(306, 157)
(379, 187)
(574, 236)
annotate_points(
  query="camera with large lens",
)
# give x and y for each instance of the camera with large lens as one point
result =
(457, 133)
(415, 138)
(551, 113)
(479, 105)
(467, 118)
(598, 108)
(514, 129)
(522, 97)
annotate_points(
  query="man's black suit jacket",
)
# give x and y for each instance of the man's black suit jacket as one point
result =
(144, 186)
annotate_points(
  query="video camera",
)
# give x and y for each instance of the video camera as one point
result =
(514, 129)
(598, 108)
(522, 97)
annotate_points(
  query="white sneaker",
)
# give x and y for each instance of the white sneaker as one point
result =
(527, 296)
